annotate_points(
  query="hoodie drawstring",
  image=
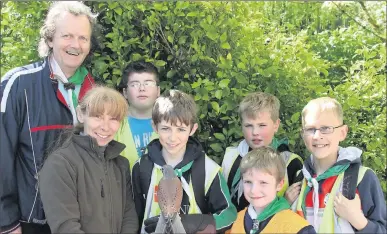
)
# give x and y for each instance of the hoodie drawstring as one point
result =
(316, 201)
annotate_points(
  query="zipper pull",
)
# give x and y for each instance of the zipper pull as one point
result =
(102, 191)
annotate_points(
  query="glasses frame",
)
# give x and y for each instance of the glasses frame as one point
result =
(142, 84)
(303, 131)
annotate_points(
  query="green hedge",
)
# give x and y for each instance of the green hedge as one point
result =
(220, 51)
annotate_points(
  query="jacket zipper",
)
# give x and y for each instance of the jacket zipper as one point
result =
(110, 194)
(102, 190)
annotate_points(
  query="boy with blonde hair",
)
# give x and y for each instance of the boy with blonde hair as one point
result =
(205, 191)
(263, 171)
(259, 113)
(338, 195)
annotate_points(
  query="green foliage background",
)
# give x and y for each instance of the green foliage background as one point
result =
(220, 51)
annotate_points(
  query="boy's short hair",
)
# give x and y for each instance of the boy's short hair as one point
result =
(257, 102)
(173, 106)
(264, 158)
(322, 104)
(137, 67)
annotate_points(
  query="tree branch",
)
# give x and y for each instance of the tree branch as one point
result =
(371, 20)
(358, 23)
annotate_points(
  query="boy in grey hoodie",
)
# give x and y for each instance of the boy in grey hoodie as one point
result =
(321, 199)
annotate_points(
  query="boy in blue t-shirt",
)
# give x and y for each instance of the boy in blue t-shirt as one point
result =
(140, 86)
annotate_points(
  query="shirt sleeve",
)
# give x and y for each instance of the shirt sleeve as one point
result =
(9, 134)
(130, 220)
(373, 203)
(59, 195)
(220, 204)
(139, 199)
(294, 167)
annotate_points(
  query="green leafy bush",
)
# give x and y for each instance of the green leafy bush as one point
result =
(221, 51)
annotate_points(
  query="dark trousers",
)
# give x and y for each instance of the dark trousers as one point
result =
(32, 228)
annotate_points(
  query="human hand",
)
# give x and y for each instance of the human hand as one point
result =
(17, 231)
(350, 210)
(193, 223)
(151, 223)
(292, 192)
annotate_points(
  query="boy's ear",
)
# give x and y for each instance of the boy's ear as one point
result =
(276, 125)
(124, 93)
(280, 185)
(193, 130)
(343, 132)
(80, 115)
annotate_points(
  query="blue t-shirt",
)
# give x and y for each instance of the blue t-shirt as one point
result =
(142, 132)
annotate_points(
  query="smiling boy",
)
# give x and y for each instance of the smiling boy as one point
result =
(205, 190)
(263, 172)
(321, 199)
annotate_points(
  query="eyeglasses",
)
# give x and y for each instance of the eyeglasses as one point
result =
(137, 84)
(323, 130)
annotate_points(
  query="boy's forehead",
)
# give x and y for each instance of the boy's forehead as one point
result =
(141, 76)
(318, 116)
(173, 123)
(256, 116)
(258, 172)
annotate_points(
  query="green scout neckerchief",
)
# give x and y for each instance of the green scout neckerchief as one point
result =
(333, 171)
(275, 143)
(77, 79)
(179, 172)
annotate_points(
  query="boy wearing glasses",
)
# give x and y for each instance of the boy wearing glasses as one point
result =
(321, 199)
(140, 86)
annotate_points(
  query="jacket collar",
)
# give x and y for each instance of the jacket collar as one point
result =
(193, 151)
(113, 149)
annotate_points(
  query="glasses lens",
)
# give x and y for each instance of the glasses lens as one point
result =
(150, 83)
(326, 130)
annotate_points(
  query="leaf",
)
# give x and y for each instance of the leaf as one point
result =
(160, 63)
(224, 83)
(170, 38)
(136, 56)
(196, 84)
(193, 13)
(295, 117)
(223, 37)
(171, 73)
(229, 57)
(219, 136)
(182, 40)
(241, 66)
(215, 106)
(212, 35)
(218, 94)
(217, 147)
(225, 45)
(118, 11)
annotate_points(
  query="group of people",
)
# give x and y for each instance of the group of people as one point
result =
(83, 158)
